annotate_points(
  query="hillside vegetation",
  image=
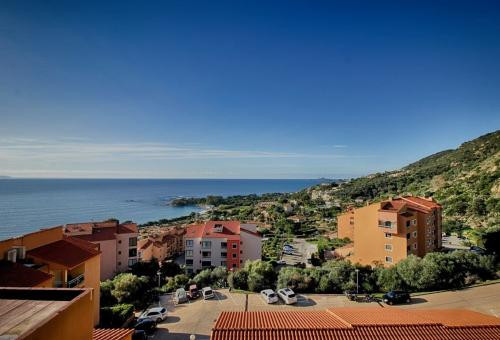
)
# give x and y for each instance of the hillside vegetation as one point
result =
(466, 181)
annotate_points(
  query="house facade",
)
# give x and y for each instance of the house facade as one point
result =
(387, 232)
(49, 259)
(221, 243)
(116, 241)
(162, 244)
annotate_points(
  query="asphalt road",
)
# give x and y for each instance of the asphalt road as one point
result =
(197, 317)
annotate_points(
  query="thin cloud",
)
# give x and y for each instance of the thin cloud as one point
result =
(64, 149)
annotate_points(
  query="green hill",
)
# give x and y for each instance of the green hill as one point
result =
(465, 180)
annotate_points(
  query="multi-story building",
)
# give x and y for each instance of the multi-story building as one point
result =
(117, 243)
(162, 244)
(47, 258)
(221, 243)
(48, 313)
(388, 231)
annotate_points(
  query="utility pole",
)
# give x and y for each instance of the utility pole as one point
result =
(357, 281)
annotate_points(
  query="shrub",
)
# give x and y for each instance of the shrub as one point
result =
(116, 316)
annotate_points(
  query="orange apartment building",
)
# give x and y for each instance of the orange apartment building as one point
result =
(47, 258)
(48, 313)
(387, 232)
(161, 245)
(116, 241)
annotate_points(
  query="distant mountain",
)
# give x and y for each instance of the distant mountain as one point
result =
(5, 177)
(465, 180)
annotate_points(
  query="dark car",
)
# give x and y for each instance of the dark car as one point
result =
(396, 296)
(147, 325)
(139, 335)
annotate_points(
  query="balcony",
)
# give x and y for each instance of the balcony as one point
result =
(76, 281)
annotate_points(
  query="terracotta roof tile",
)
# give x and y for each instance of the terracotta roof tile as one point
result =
(18, 275)
(111, 333)
(457, 317)
(66, 252)
(357, 323)
(389, 316)
(231, 230)
(99, 234)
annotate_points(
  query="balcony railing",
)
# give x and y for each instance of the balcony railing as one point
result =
(76, 281)
(387, 224)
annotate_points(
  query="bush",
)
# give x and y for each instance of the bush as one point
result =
(238, 279)
(116, 316)
(129, 288)
(176, 282)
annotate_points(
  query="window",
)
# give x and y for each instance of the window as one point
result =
(189, 253)
(119, 241)
(234, 265)
(206, 244)
(234, 256)
(235, 246)
(119, 263)
(388, 259)
(388, 247)
(223, 245)
(131, 262)
(132, 252)
(206, 263)
(408, 223)
(119, 252)
(351, 220)
(413, 222)
(408, 236)
(189, 262)
(388, 224)
(206, 254)
(223, 255)
(387, 235)
(189, 243)
(414, 234)
(414, 246)
(241, 251)
(132, 242)
(223, 263)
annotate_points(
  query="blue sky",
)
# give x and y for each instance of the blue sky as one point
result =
(242, 89)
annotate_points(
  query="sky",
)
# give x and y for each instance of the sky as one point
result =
(242, 89)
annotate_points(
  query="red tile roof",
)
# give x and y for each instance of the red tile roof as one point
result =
(67, 252)
(99, 234)
(421, 201)
(357, 323)
(18, 275)
(111, 333)
(130, 228)
(231, 230)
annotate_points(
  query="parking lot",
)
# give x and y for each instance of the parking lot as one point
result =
(302, 251)
(197, 317)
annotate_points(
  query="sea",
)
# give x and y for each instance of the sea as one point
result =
(27, 205)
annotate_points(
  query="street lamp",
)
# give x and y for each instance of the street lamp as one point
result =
(159, 286)
(357, 281)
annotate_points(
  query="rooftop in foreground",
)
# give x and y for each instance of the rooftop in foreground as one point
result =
(23, 310)
(357, 323)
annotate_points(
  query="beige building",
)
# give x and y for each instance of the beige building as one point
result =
(163, 244)
(387, 232)
(117, 243)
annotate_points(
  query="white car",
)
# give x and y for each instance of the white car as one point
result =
(157, 314)
(207, 293)
(288, 296)
(269, 296)
(281, 262)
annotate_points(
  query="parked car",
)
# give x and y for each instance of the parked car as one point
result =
(396, 296)
(193, 292)
(281, 262)
(269, 296)
(139, 335)
(146, 324)
(478, 250)
(180, 296)
(287, 295)
(207, 293)
(157, 314)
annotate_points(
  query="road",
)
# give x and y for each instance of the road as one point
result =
(198, 317)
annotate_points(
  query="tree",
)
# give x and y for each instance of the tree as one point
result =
(238, 279)
(170, 269)
(203, 278)
(128, 288)
(261, 275)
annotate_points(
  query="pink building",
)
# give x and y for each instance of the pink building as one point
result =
(117, 243)
(161, 245)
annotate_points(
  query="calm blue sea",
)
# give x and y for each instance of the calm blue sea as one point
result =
(30, 204)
